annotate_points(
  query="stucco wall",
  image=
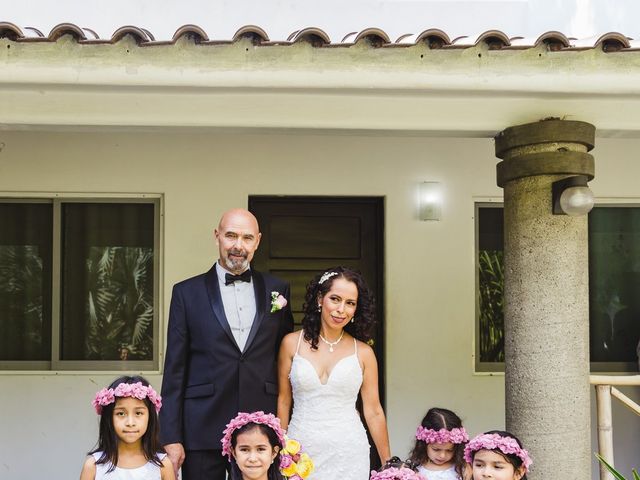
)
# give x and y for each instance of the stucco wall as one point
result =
(429, 266)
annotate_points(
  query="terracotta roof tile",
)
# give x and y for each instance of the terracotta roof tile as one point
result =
(434, 37)
(256, 33)
(193, 31)
(375, 37)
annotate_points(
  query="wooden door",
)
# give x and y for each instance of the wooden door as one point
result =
(303, 236)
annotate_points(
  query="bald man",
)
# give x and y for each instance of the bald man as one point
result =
(222, 347)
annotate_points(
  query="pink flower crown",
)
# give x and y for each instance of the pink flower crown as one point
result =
(242, 419)
(395, 473)
(429, 435)
(493, 441)
(107, 396)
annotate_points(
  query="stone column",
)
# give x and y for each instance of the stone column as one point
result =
(546, 297)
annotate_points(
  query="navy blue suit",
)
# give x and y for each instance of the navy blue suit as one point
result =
(207, 379)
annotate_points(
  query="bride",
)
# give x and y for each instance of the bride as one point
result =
(321, 370)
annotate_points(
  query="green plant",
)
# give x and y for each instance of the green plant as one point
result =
(491, 301)
(615, 473)
(21, 303)
(119, 303)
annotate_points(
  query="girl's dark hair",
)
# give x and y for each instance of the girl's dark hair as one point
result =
(514, 460)
(364, 319)
(274, 470)
(436, 419)
(108, 440)
(396, 462)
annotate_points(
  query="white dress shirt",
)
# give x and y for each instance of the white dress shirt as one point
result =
(239, 301)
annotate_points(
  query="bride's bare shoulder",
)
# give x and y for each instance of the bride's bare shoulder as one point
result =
(290, 341)
(365, 350)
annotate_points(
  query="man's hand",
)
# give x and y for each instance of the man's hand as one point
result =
(175, 452)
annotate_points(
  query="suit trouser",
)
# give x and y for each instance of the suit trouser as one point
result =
(204, 465)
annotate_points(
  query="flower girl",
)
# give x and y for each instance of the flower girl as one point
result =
(497, 455)
(128, 446)
(439, 446)
(258, 449)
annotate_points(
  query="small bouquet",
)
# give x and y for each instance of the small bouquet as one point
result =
(395, 473)
(295, 464)
(396, 469)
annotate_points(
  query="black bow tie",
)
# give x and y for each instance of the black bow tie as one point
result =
(245, 276)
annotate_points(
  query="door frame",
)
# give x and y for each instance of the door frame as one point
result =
(378, 204)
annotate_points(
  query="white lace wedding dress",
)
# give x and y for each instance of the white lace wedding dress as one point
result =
(325, 420)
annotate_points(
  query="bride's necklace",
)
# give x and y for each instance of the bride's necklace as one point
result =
(331, 344)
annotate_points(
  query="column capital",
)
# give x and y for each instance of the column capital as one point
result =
(547, 147)
(545, 131)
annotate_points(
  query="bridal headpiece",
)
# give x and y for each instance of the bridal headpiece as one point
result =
(243, 419)
(326, 276)
(493, 441)
(455, 435)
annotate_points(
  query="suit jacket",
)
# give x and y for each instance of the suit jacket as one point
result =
(207, 380)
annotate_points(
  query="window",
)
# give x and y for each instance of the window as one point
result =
(79, 284)
(614, 287)
(25, 281)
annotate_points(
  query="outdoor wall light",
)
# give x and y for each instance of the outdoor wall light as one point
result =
(572, 196)
(430, 201)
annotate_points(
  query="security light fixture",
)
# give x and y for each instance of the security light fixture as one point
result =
(572, 196)
(430, 201)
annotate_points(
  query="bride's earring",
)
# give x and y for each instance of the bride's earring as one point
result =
(319, 307)
(353, 319)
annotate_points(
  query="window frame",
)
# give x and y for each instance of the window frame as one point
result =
(481, 367)
(56, 364)
(498, 367)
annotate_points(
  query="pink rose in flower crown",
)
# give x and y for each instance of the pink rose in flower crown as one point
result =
(242, 419)
(494, 441)
(455, 435)
(107, 396)
(395, 473)
(103, 397)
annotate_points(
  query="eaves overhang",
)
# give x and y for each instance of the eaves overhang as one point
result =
(431, 86)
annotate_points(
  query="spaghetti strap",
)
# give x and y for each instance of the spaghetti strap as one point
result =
(299, 338)
(355, 347)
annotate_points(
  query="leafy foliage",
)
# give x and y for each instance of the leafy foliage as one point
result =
(615, 473)
(21, 303)
(491, 301)
(119, 304)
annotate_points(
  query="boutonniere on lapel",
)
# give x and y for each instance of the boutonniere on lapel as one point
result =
(278, 302)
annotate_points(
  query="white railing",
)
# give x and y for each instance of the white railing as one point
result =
(604, 391)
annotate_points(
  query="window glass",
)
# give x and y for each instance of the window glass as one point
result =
(490, 284)
(107, 281)
(25, 281)
(614, 286)
(614, 279)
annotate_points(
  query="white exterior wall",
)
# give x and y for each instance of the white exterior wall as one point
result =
(46, 420)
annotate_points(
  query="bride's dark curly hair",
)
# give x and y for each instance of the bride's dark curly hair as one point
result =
(364, 319)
